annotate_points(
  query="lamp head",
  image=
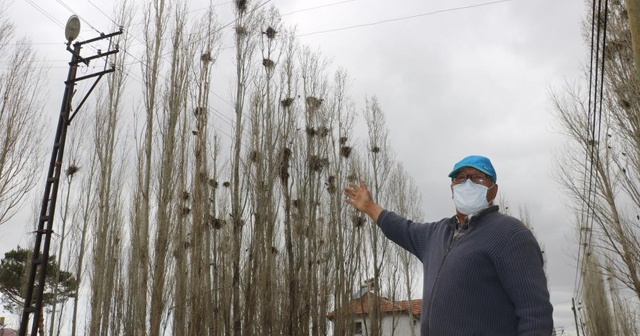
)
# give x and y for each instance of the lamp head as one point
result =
(72, 29)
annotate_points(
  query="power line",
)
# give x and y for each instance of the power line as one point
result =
(103, 13)
(32, 43)
(72, 11)
(383, 21)
(594, 127)
(312, 33)
(222, 117)
(138, 79)
(405, 17)
(583, 226)
(45, 13)
(317, 7)
(55, 21)
(198, 40)
(212, 6)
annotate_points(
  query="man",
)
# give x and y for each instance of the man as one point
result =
(483, 270)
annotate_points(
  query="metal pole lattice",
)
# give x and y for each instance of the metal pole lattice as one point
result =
(38, 271)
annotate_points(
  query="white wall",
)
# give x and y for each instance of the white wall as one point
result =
(404, 325)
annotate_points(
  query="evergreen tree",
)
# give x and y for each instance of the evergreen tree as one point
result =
(12, 272)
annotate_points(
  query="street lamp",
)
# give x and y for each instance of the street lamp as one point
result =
(72, 29)
(34, 294)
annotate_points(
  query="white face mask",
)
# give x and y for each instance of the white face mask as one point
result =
(470, 198)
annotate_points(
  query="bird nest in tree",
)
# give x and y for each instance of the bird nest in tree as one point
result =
(72, 170)
(296, 203)
(345, 151)
(253, 156)
(206, 57)
(217, 223)
(358, 221)
(186, 211)
(213, 183)
(269, 64)
(310, 131)
(270, 32)
(616, 46)
(284, 173)
(285, 155)
(323, 131)
(198, 111)
(624, 103)
(313, 102)
(316, 163)
(213, 222)
(343, 140)
(286, 102)
(241, 30)
(331, 184)
(241, 5)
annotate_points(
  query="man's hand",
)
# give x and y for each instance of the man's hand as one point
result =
(360, 198)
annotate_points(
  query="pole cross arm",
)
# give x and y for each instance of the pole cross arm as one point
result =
(101, 37)
(99, 74)
(91, 75)
(86, 60)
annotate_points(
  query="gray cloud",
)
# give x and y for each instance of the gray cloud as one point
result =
(472, 81)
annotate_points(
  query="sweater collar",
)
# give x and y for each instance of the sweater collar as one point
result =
(465, 225)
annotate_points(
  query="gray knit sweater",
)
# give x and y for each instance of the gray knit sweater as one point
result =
(485, 281)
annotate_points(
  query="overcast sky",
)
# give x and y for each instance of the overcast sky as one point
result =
(455, 77)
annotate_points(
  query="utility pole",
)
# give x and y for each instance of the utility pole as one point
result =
(633, 12)
(40, 258)
(575, 314)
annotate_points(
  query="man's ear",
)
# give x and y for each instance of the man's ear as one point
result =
(492, 193)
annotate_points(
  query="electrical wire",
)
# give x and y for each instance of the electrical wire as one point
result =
(135, 78)
(102, 12)
(45, 13)
(405, 17)
(162, 56)
(586, 182)
(76, 14)
(588, 167)
(212, 6)
(139, 61)
(221, 116)
(317, 7)
(594, 127)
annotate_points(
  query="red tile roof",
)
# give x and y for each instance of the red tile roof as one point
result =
(363, 305)
(8, 332)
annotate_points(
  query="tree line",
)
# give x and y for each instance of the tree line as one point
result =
(177, 220)
(600, 170)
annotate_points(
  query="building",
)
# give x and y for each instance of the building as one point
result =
(8, 332)
(398, 317)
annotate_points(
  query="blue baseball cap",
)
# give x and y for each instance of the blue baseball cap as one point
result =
(478, 162)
